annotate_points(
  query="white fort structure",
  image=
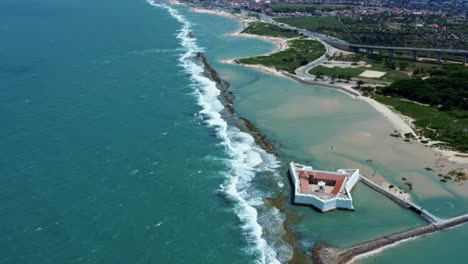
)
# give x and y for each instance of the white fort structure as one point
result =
(323, 190)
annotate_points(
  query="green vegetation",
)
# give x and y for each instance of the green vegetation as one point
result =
(328, 25)
(433, 123)
(336, 72)
(309, 8)
(457, 175)
(438, 104)
(388, 30)
(300, 53)
(264, 29)
(447, 88)
(395, 69)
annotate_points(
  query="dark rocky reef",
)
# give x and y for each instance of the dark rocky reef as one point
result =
(260, 139)
(227, 98)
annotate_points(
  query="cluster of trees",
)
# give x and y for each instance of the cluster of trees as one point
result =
(446, 89)
(419, 71)
(389, 63)
(334, 76)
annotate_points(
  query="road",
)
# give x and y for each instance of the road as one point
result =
(303, 71)
(268, 19)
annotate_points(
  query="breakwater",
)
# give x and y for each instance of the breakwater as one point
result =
(426, 215)
(326, 254)
(227, 98)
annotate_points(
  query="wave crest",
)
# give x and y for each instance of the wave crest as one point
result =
(246, 158)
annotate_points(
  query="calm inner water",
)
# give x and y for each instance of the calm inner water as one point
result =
(106, 158)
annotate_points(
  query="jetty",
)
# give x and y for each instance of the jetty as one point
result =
(426, 215)
(327, 254)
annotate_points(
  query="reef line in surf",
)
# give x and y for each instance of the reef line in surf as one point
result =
(245, 157)
(227, 97)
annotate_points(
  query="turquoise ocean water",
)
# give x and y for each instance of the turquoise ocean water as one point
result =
(106, 157)
(115, 149)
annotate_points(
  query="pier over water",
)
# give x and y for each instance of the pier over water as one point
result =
(432, 219)
(326, 254)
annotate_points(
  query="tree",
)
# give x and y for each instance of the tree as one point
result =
(402, 65)
(360, 83)
(319, 75)
(390, 64)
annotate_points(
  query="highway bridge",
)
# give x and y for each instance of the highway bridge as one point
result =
(391, 51)
(343, 45)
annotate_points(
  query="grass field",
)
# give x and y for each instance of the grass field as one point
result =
(390, 76)
(433, 123)
(300, 53)
(335, 71)
(329, 25)
(385, 30)
(264, 29)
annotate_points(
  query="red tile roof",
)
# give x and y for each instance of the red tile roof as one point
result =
(305, 175)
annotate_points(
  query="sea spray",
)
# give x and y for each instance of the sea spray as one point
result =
(246, 158)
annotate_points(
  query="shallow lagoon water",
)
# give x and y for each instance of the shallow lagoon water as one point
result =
(104, 160)
(306, 121)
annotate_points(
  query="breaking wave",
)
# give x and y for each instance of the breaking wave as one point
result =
(246, 158)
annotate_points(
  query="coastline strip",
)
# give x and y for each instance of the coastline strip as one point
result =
(245, 158)
(402, 124)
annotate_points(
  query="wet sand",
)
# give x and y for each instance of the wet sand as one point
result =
(309, 123)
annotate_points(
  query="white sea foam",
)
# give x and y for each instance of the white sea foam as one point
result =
(152, 51)
(245, 157)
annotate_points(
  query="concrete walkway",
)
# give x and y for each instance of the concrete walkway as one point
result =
(326, 254)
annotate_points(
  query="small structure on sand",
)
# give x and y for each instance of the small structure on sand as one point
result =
(323, 190)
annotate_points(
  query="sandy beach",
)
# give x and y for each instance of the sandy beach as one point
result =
(217, 12)
(281, 43)
(268, 70)
(402, 124)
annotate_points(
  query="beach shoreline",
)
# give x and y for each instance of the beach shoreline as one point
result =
(396, 120)
(400, 123)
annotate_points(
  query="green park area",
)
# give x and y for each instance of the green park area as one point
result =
(329, 25)
(437, 104)
(299, 53)
(395, 69)
(264, 29)
(387, 30)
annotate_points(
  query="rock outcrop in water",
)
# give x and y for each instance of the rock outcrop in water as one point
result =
(227, 98)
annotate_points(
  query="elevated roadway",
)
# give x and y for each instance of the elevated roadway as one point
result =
(343, 45)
